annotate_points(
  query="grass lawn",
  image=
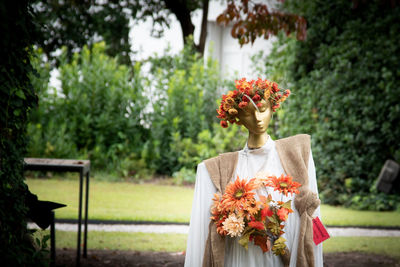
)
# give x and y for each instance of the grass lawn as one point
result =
(149, 202)
(125, 241)
(118, 201)
(389, 246)
(339, 216)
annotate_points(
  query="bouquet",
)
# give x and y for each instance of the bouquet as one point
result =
(237, 213)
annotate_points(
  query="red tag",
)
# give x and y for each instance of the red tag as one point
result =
(319, 232)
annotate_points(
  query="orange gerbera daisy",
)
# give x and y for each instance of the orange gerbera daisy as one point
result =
(285, 184)
(238, 195)
(250, 208)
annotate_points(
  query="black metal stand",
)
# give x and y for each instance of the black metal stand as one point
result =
(52, 241)
(86, 216)
(68, 165)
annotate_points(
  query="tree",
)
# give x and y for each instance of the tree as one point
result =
(182, 9)
(76, 23)
(252, 20)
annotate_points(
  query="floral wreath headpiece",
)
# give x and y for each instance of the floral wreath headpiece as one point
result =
(249, 91)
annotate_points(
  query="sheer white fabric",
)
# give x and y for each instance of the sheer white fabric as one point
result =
(250, 162)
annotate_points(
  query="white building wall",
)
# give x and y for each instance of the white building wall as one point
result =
(235, 61)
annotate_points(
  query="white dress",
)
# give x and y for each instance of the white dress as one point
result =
(250, 162)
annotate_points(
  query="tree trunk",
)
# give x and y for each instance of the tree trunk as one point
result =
(203, 33)
(182, 13)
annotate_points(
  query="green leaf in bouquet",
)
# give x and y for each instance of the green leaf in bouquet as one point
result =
(274, 219)
(244, 240)
(279, 246)
(287, 205)
(274, 228)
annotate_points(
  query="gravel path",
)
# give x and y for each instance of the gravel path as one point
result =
(184, 229)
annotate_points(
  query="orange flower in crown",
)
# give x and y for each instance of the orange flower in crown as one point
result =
(247, 91)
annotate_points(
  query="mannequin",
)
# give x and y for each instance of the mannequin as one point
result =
(259, 154)
(256, 120)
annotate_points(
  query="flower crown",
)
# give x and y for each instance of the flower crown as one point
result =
(247, 91)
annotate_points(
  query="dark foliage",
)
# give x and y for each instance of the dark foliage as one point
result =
(74, 24)
(16, 98)
(346, 83)
(254, 20)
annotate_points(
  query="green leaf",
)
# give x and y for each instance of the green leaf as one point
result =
(20, 94)
(244, 240)
(274, 219)
(287, 204)
(46, 238)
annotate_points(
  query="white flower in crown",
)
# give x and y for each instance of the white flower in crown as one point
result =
(233, 225)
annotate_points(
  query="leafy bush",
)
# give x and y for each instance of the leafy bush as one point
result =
(101, 113)
(184, 176)
(135, 167)
(183, 101)
(96, 115)
(209, 144)
(130, 124)
(345, 79)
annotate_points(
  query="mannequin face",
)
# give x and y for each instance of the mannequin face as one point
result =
(256, 122)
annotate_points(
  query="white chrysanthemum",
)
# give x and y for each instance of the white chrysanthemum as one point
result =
(233, 225)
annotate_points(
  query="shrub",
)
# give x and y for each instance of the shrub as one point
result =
(97, 113)
(184, 176)
(135, 167)
(184, 92)
(346, 94)
(210, 143)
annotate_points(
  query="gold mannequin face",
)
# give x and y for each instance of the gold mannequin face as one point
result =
(256, 122)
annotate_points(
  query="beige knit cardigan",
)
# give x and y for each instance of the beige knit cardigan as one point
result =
(294, 155)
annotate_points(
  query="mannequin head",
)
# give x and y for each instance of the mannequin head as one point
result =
(256, 119)
(249, 97)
